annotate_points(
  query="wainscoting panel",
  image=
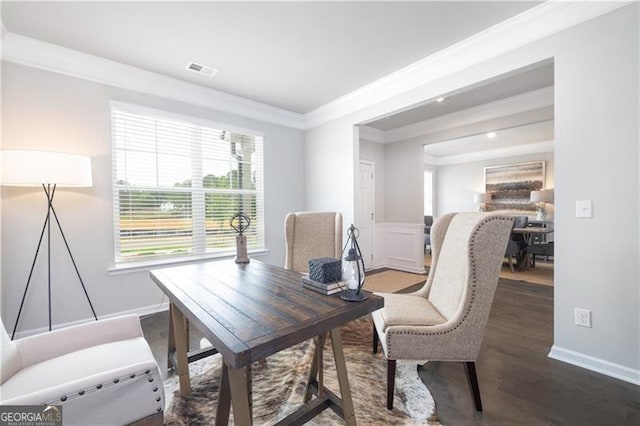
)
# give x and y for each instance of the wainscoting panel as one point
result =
(399, 246)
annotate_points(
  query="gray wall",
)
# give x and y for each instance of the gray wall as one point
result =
(596, 158)
(47, 111)
(457, 183)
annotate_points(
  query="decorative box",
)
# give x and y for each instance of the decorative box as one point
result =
(325, 269)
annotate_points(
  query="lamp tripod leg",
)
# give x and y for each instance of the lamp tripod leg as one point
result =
(33, 264)
(49, 196)
(64, 238)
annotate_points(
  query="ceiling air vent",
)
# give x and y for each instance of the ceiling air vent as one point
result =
(201, 69)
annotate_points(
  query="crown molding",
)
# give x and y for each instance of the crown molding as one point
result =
(516, 104)
(38, 54)
(536, 23)
(531, 25)
(490, 154)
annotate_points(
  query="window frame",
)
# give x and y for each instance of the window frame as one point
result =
(123, 264)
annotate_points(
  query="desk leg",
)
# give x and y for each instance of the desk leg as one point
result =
(313, 373)
(317, 369)
(171, 347)
(343, 378)
(224, 398)
(181, 342)
(240, 384)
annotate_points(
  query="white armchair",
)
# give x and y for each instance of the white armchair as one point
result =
(101, 372)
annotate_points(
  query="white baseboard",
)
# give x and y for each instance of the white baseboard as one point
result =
(595, 364)
(145, 310)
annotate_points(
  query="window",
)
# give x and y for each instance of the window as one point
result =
(177, 181)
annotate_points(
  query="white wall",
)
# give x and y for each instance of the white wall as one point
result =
(374, 152)
(597, 116)
(596, 157)
(457, 183)
(330, 168)
(47, 111)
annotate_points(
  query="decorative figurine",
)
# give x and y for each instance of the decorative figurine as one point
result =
(240, 222)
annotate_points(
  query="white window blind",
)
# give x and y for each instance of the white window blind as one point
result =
(177, 182)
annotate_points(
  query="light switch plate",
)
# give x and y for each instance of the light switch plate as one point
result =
(584, 208)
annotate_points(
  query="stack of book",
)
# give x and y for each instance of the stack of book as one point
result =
(324, 288)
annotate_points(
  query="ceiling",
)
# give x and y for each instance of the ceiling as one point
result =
(293, 55)
(516, 136)
(525, 80)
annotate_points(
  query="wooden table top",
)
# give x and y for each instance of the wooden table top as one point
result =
(250, 311)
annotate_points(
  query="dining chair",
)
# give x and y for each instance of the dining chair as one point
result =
(311, 235)
(445, 320)
(100, 372)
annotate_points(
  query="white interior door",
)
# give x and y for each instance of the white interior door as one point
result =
(366, 203)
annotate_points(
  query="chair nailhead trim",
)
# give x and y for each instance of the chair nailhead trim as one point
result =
(158, 399)
(99, 386)
(471, 297)
(159, 409)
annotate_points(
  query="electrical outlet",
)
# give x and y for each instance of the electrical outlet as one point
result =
(583, 317)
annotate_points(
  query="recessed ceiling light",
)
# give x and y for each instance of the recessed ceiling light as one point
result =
(440, 99)
(201, 69)
(491, 135)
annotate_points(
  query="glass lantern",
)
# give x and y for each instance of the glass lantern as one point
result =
(353, 269)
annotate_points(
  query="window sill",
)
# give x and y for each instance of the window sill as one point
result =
(130, 267)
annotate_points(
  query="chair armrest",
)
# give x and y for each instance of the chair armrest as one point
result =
(35, 349)
(89, 384)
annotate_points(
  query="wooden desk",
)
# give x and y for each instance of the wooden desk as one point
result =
(250, 311)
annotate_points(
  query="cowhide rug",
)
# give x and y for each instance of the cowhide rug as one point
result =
(279, 383)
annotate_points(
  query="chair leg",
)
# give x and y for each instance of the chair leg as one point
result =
(472, 380)
(391, 382)
(375, 339)
(510, 263)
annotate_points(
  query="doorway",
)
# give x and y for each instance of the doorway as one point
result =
(366, 208)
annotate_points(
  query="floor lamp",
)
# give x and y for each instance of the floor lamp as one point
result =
(48, 170)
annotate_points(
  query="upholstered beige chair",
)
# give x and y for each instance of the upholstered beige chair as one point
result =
(101, 372)
(446, 319)
(310, 235)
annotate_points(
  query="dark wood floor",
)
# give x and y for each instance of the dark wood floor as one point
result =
(520, 385)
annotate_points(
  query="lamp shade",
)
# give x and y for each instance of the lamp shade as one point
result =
(481, 197)
(34, 168)
(544, 196)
